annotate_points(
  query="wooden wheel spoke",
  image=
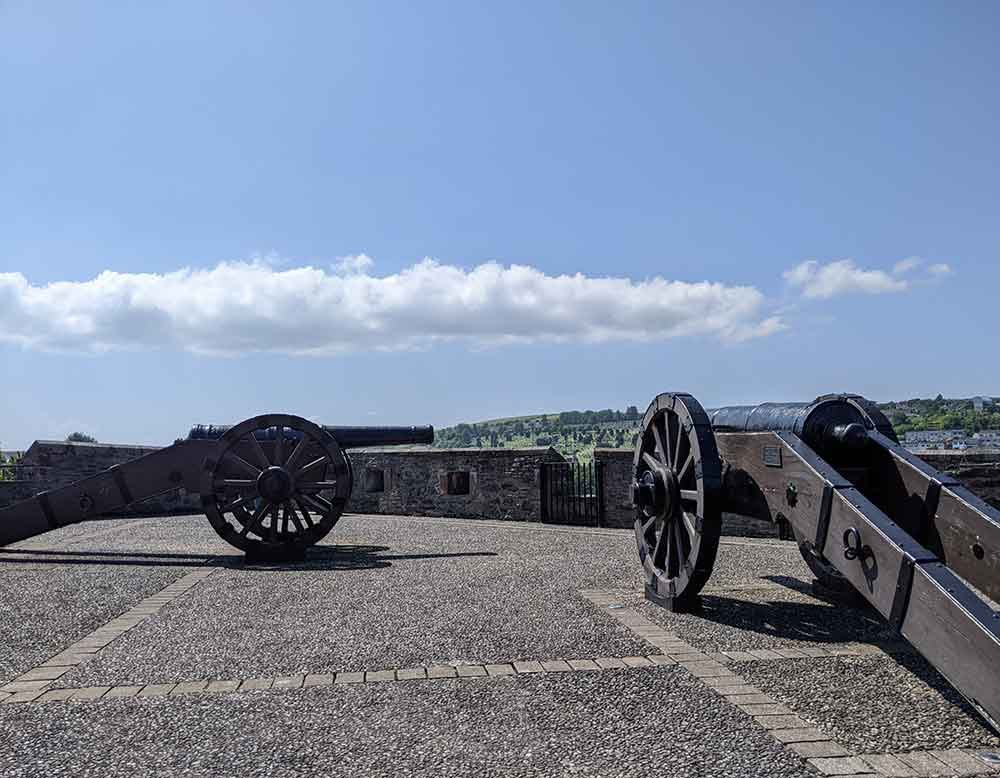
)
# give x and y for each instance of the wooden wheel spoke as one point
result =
(293, 514)
(279, 445)
(649, 524)
(318, 486)
(258, 452)
(317, 503)
(251, 526)
(680, 437)
(242, 464)
(239, 483)
(653, 462)
(297, 452)
(685, 467)
(232, 506)
(679, 551)
(273, 528)
(689, 494)
(311, 466)
(662, 547)
(690, 525)
(305, 514)
(660, 449)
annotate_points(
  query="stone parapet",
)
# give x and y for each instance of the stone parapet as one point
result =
(466, 483)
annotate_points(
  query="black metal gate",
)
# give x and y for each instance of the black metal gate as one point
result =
(573, 493)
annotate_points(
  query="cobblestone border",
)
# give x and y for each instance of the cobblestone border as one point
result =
(307, 680)
(827, 756)
(35, 682)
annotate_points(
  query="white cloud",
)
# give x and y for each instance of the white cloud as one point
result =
(906, 265)
(355, 263)
(241, 307)
(939, 269)
(842, 276)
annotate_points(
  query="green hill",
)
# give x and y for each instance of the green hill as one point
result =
(577, 433)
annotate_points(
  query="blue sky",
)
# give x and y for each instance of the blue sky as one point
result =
(607, 160)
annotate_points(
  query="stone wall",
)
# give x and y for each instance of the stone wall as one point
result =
(980, 471)
(502, 483)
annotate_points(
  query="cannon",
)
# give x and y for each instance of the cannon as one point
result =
(271, 486)
(867, 514)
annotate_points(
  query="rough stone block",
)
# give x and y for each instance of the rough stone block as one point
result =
(91, 693)
(378, 676)
(156, 690)
(189, 687)
(781, 722)
(840, 765)
(766, 709)
(353, 677)
(217, 687)
(924, 763)
(471, 671)
(123, 691)
(256, 683)
(797, 735)
(57, 695)
(501, 669)
(555, 666)
(17, 697)
(610, 663)
(815, 748)
(888, 765)
(959, 761)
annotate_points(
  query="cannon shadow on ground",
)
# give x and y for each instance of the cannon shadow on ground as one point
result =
(331, 558)
(821, 621)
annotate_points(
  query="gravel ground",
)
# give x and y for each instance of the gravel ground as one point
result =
(873, 704)
(187, 538)
(48, 602)
(634, 723)
(776, 617)
(392, 593)
(743, 561)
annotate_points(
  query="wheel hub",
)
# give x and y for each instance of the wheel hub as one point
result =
(274, 484)
(659, 491)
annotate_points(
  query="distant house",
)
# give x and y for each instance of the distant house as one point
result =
(933, 436)
(980, 403)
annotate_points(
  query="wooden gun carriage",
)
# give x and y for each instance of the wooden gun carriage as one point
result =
(867, 514)
(272, 485)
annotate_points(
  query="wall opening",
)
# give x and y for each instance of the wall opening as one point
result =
(374, 480)
(457, 482)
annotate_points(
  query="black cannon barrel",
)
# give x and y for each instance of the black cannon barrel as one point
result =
(346, 437)
(363, 437)
(837, 418)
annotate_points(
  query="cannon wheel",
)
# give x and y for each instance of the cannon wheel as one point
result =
(678, 486)
(279, 485)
